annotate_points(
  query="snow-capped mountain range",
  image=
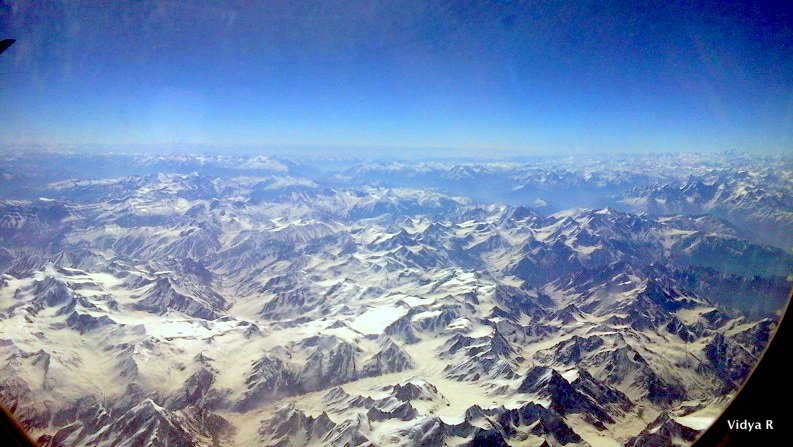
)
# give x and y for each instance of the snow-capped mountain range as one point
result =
(239, 300)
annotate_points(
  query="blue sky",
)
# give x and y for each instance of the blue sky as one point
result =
(513, 77)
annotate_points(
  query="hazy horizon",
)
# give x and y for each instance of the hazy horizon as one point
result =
(363, 153)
